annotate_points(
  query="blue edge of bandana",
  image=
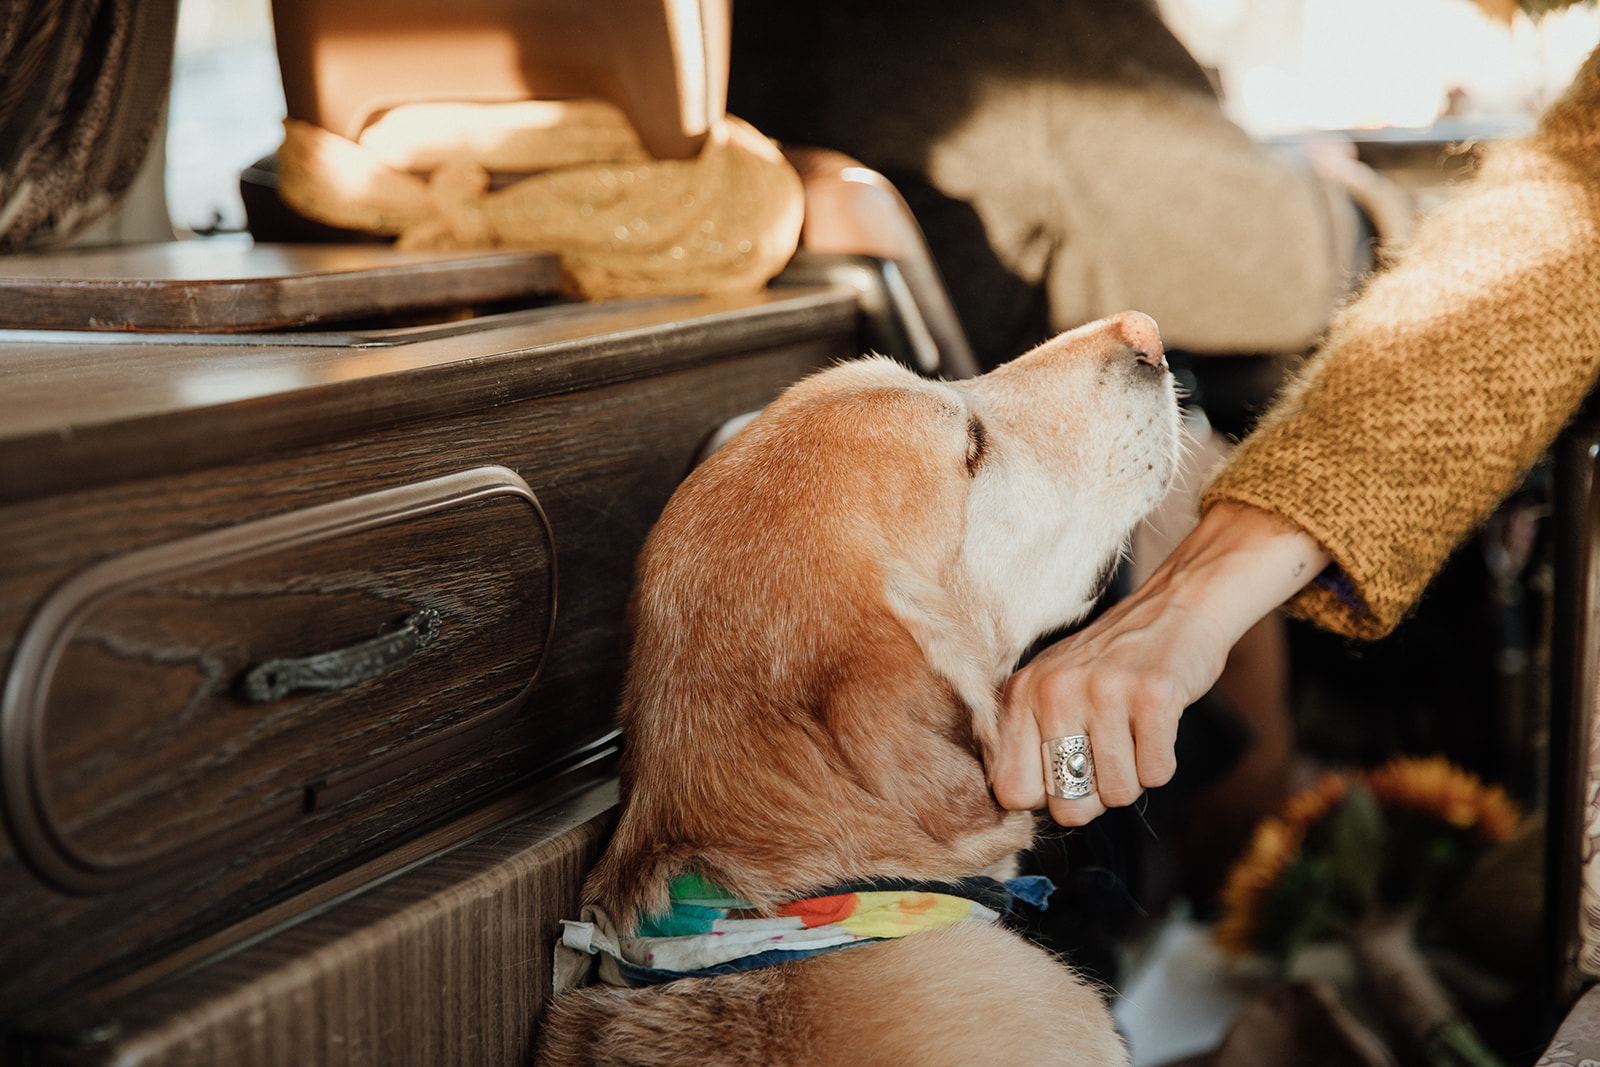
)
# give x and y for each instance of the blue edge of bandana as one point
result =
(997, 896)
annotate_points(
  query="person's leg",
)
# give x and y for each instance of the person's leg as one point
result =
(1148, 198)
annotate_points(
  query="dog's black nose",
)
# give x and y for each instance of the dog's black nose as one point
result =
(1140, 332)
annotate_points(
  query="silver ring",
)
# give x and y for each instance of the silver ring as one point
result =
(1068, 767)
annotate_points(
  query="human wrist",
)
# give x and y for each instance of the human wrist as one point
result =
(1236, 566)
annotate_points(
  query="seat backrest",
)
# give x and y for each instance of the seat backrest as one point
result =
(663, 62)
(853, 210)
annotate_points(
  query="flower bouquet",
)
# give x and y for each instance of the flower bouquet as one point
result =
(1368, 858)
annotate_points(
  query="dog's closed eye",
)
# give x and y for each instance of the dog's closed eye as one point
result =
(977, 443)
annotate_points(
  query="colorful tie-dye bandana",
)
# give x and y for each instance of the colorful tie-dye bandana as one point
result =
(706, 932)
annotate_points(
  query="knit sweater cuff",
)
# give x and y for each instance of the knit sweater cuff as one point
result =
(1335, 600)
(1440, 386)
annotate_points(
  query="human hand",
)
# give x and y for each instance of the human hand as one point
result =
(1125, 680)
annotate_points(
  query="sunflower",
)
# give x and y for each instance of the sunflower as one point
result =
(1435, 786)
(1273, 848)
(1400, 835)
(1252, 879)
(1310, 806)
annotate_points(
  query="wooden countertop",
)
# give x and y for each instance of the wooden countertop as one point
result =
(80, 408)
(234, 286)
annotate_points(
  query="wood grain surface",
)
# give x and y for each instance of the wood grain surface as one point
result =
(445, 963)
(78, 410)
(602, 428)
(227, 286)
(144, 745)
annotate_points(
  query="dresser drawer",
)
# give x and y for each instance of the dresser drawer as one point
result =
(238, 514)
(170, 701)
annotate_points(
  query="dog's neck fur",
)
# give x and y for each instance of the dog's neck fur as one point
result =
(909, 774)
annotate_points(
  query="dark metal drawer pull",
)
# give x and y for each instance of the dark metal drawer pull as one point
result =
(277, 678)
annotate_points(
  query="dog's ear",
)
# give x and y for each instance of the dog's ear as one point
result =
(907, 736)
(867, 770)
(955, 646)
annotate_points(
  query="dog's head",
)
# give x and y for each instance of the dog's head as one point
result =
(827, 608)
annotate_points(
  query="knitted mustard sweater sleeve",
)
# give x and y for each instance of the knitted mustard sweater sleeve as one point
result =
(1438, 387)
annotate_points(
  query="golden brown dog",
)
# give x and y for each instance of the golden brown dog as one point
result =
(822, 622)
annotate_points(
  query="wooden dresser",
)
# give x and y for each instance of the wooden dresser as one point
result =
(311, 641)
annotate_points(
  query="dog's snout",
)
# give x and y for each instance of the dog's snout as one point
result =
(1139, 331)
